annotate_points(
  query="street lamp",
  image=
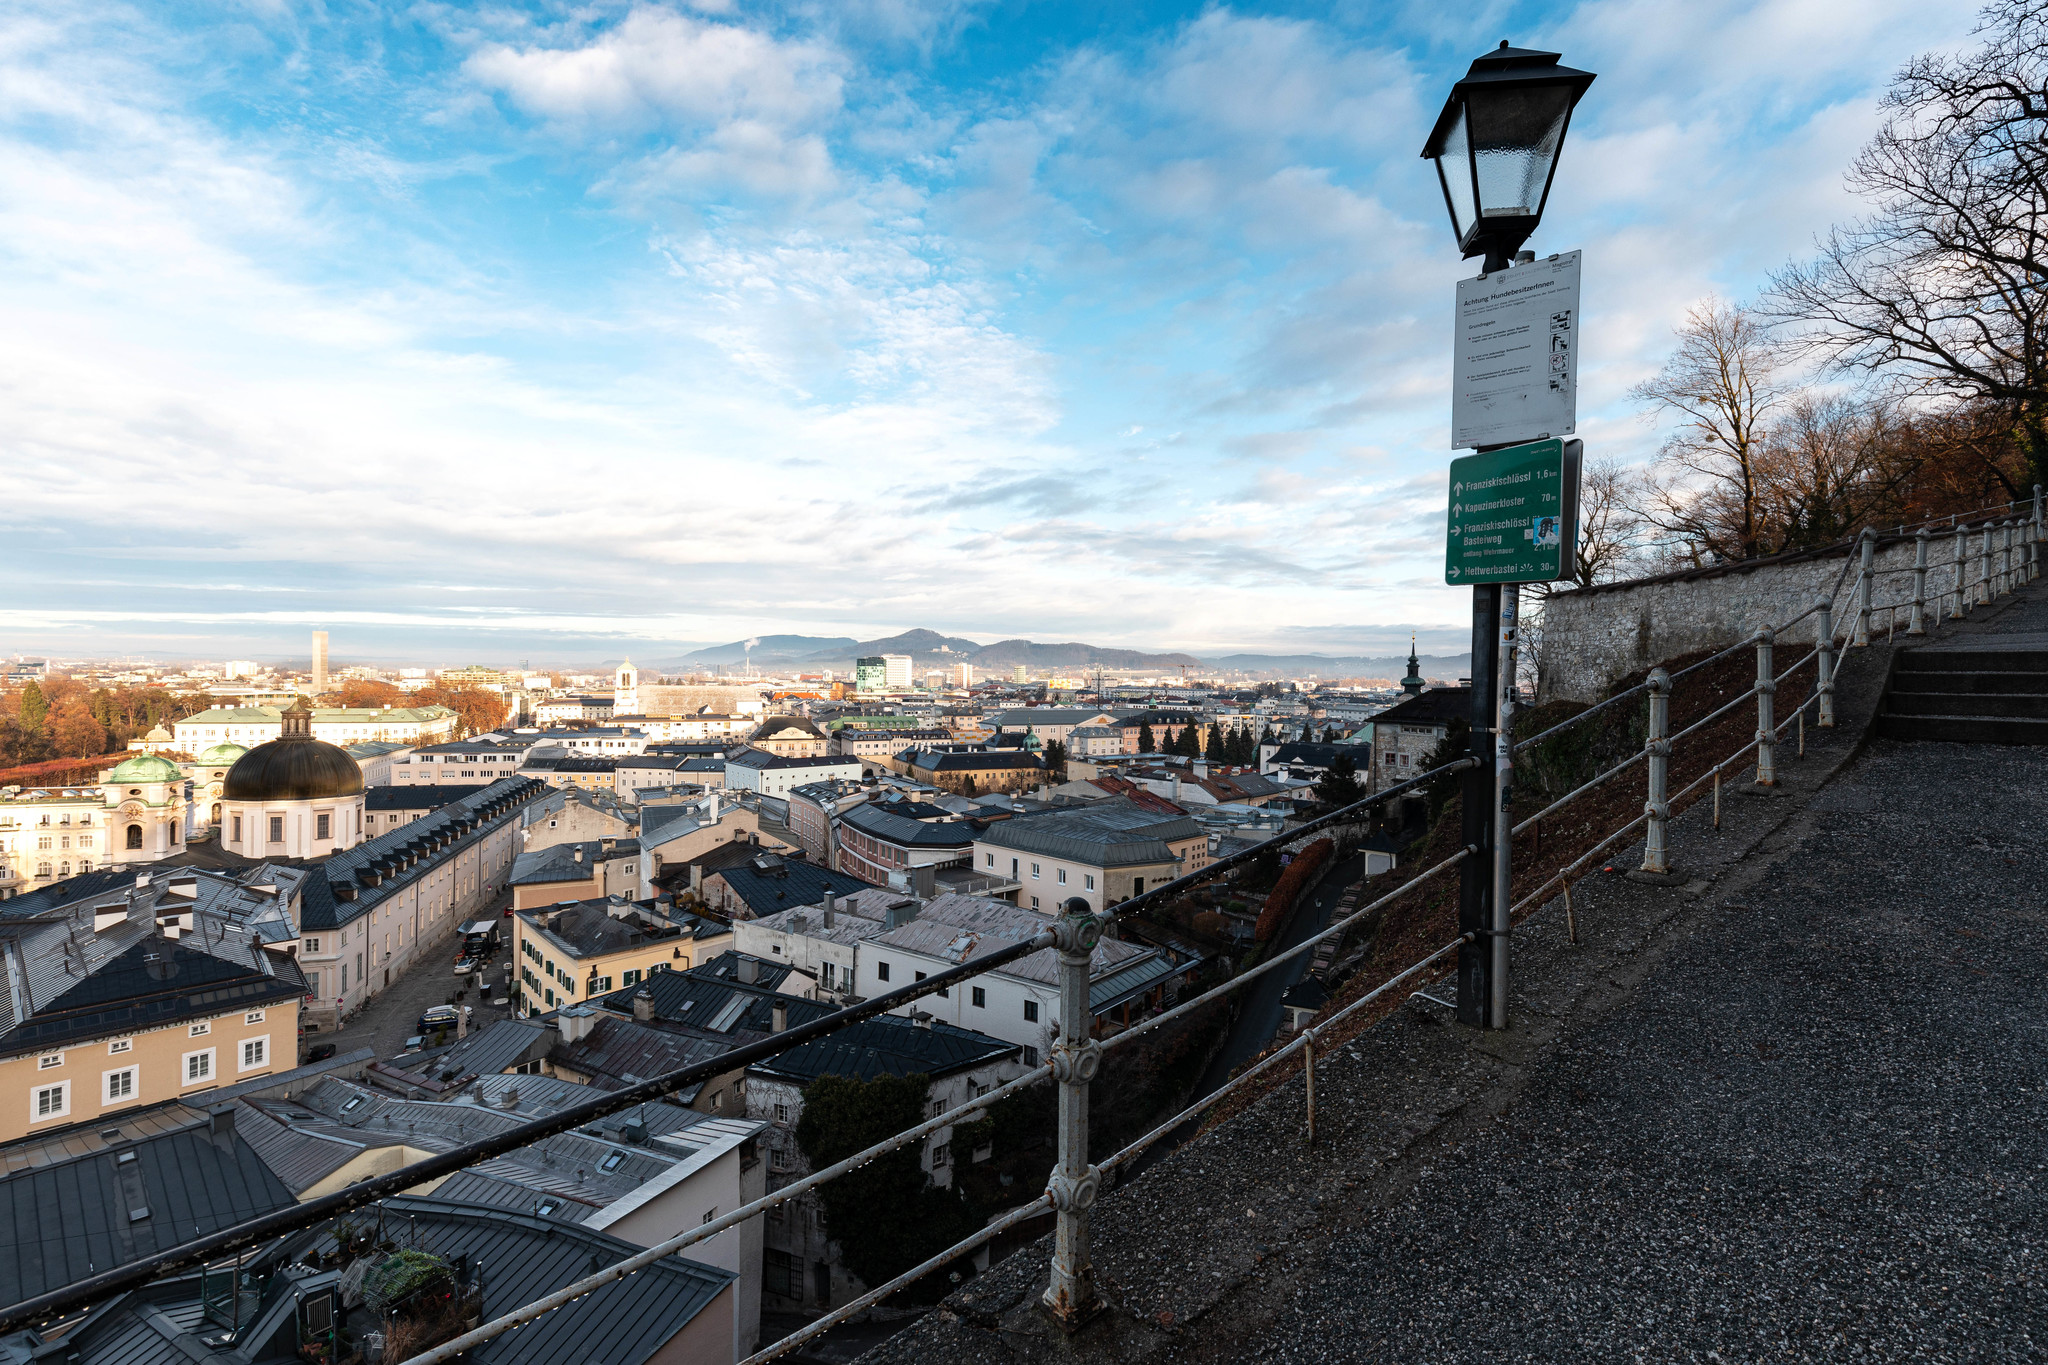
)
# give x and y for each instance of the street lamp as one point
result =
(1495, 146)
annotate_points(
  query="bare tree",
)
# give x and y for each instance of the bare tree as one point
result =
(1610, 531)
(1704, 496)
(1832, 465)
(1944, 287)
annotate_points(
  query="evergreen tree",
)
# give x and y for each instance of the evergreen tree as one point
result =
(34, 707)
(1145, 738)
(1329, 734)
(1247, 747)
(1271, 736)
(1308, 732)
(1214, 752)
(1340, 785)
(1190, 741)
(103, 707)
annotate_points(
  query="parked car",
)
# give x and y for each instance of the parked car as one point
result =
(319, 1052)
(465, 965)
(438, 1017)
(415, 1044)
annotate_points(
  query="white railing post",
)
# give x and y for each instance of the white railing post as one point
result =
(1656, 855)
(1866, 582)
(1825, 682)
(1071, 1298)
(1983, 586)
(1962, 605)
(2005, 564)
(1766, 725)
(1918, 625)
(2034, 538)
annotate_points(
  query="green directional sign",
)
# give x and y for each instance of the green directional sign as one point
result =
(1511, 515)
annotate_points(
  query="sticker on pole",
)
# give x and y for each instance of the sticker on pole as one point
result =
(1513, 514)
(1515, 370)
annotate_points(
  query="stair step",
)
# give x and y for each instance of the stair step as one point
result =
(1972, 661)
(1964, 729)
(2021, 705)
(1916, 680)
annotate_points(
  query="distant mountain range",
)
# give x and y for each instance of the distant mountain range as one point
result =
(932, 650)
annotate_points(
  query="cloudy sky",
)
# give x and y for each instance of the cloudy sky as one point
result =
(563, 330)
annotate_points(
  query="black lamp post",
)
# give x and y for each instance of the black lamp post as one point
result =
(1496, 144)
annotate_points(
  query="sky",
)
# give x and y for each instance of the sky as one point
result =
(566, 331)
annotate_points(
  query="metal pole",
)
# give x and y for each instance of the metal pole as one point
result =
(1962, 552)
(1308, 1071)
(1503, 807)
(2005, 578)
(1656, 857)
(1766, 729)
(1918, 624)
(1071, 1298)
(1475, 877)
(1826, 682)
(1717, 798)
(1866, 582)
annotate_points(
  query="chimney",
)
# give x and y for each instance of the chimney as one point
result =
(643, 1004)
(1201, 767)
(1176, 787)
(220, 1123)
(748, 971)
(778, 1016)
(711, 808)
(829, 897)
(576, 1023)
(697, 878)
(577, 854)
(923, 880)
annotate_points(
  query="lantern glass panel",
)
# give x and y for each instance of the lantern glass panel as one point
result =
(1514, 139)
(1454, 165)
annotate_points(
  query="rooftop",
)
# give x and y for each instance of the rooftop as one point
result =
(769, 882)
(887, 1045)
(1114, 833)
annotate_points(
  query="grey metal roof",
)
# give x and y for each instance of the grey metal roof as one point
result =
(490, 1050)
(421, 796)
(1113, 833)
(558, 863)
(955, 928)
(1105, 993)
(783, 884)
(61, 1221)
(910, 824)
(619, 1052)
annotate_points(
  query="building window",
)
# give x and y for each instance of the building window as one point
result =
(312, 945)
(119, 1046)
(1034, 872)
(135, 836)
(199, 1030)
(600, 985)
(1030, 1011)
(1061, 874)
(276, 829)
(782, 1113)
(1087, 881)
(198, 1066)
(50, 1102)
(49, 1060)
(121, 1085)
(323, 825)
(631, 978)
(882, 971)
(255, 1051)
(253, 1017)
(238, 829)
(991, 860)
(1034, 902)
(980, 998)
(942, 1155)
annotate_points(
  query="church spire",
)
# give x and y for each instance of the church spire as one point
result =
(1412, 684)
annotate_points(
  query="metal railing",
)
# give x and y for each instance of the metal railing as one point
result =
(2015, 549)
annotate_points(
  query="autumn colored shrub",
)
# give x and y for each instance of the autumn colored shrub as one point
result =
(1306, 865)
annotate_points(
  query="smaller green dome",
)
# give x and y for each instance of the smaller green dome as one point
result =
(145, 768)
(221, 756)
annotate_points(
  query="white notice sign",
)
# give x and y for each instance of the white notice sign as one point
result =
(1516, 373)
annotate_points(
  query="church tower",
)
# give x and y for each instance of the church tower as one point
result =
(626, 690)
(1412, 684)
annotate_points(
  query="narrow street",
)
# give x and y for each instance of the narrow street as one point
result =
(393, 1015)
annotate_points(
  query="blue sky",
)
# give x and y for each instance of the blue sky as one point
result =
(563, 331)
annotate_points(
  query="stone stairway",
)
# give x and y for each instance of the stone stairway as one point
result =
(1989, 689)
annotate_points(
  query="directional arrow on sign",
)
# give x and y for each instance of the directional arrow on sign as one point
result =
(1457, 488)
(1457, 508)
(1452, 571)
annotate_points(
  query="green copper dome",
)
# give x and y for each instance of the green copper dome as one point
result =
(221, 756)
(145, 768)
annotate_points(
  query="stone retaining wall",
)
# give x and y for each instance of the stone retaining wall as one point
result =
(1595, 635)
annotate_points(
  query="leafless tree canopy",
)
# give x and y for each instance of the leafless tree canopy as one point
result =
(1943, 289)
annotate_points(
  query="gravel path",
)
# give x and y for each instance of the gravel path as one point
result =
(1816, 1134)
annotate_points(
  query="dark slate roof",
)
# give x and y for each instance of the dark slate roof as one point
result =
(74, 1213)
(886, 1045)
(620, 1052)
(30, 903)
(783, 883)
(558, 862)
(423, 797)
(910, 824)
(488, 1051)
(455, 827)
(757, 758)
(1434, 707)
(570, 763)
(697, 1003)
(590, 929)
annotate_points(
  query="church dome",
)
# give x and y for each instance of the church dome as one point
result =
(144, 768)
(293, 767)
(157, 735)
(221, 756)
